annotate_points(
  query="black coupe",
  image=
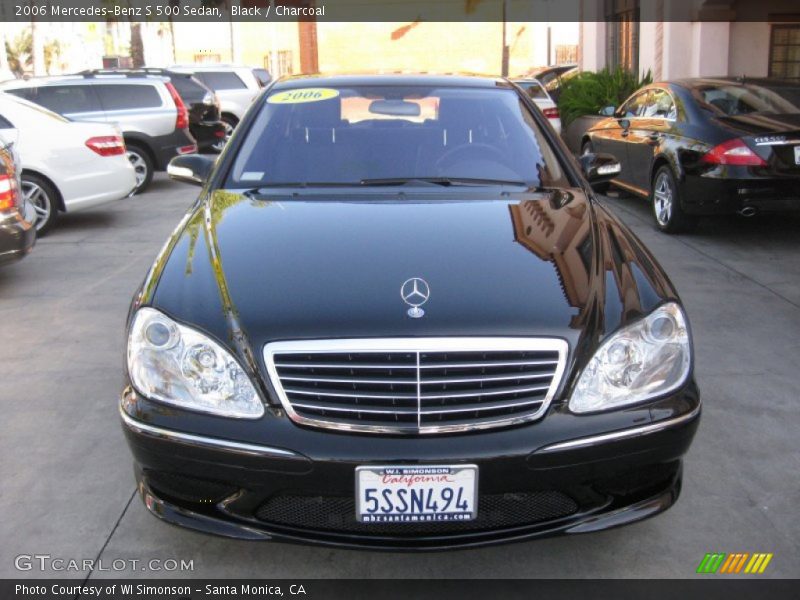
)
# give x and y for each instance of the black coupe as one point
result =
(396, 318)
(706, 146)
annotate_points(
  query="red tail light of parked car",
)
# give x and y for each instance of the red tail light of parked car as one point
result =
(8, 193)
(106, 145)
(182, 120)
(551, 113)
(733, 152)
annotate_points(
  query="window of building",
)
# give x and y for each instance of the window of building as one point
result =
(207, 58)
(784, 52)
(282, 63)
(622, 34)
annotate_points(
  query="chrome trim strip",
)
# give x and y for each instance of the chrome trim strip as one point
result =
(447, 365)
(202, 441)
(394, 410)
(374, 395)
(620, 435)
(779, 142)
(418, 346)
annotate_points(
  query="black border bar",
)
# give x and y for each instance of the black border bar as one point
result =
(407, 11)
(717, 588)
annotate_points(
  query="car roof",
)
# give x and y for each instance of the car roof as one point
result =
(559, 69)
(694, 82)
(207, 67)
(82, 79)
(395, 79)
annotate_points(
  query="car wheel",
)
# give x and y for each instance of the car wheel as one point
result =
(44, 198)
(230, 124)
(588, 148)
(666, 204)
(142, 165)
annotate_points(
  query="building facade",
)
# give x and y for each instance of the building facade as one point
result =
(692, 38)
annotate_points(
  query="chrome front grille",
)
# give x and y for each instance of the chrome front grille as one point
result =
(416, 385)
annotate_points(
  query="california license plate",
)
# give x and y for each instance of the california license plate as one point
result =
(797, 155)
(406, 494)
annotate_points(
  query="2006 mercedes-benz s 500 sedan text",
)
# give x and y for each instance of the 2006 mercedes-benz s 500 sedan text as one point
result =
(397, 318)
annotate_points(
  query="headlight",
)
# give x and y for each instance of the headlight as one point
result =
(177, 365)
(643, 360)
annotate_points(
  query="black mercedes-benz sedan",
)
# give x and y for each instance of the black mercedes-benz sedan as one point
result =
(397, 318)
(706, 146)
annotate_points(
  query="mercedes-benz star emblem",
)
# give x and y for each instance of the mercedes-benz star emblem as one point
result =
(415, 292)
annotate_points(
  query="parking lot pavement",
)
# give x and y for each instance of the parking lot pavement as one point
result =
(67, 478)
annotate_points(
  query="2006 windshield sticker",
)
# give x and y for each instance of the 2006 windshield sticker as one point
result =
(303, 95)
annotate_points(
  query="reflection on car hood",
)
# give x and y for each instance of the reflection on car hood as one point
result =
(334, 268)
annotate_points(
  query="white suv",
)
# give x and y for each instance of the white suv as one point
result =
(235, 86)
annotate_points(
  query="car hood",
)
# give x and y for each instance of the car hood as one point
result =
(539, 264)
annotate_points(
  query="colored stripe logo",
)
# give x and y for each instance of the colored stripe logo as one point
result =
(735, 563)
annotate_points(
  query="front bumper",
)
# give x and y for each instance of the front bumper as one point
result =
(249, 490)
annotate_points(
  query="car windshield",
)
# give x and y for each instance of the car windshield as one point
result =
(743, 99)
(392, 134)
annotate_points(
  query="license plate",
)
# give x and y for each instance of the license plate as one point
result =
(405, 494)
(797, 155)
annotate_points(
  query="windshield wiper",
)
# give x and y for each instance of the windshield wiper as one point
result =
(443, 181)
(298, 184)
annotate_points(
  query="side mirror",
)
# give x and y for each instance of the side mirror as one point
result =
(608, 111)
(9, 137)
(599, 168)
(190, 168)
(624, 123)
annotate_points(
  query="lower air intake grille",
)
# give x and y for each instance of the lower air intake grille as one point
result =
(495, 511)
(416, 385)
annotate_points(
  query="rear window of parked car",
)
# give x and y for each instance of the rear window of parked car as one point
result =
(221, 80)
(122, 97)
(734, 99)
(262, 76)
(533, 88)
(189, 90)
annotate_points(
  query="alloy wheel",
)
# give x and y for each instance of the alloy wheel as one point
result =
(662, 199)
(139, 167)
(41, 201)
(217, 147)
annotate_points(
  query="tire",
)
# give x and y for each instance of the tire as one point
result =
(666, 203)
(600, 188)
(230, 124)
(142, 164)
(44, 198)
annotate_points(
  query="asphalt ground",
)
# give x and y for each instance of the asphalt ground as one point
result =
(67, 483)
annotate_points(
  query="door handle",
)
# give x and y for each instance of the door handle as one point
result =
(654, 138)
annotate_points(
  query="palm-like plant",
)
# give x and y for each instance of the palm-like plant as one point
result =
(587, 93)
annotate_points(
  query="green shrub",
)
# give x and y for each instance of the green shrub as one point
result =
(587, 93)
